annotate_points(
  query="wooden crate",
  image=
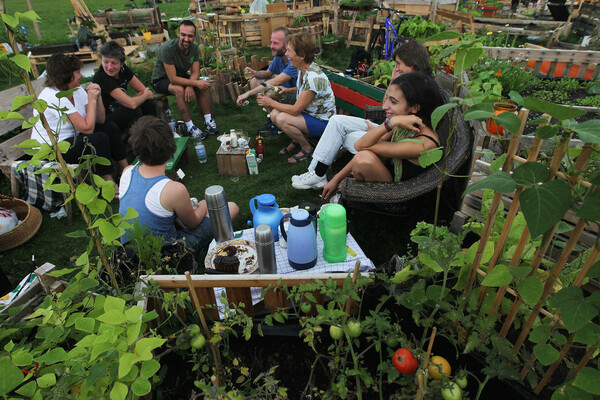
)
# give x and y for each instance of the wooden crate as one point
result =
(232, 162)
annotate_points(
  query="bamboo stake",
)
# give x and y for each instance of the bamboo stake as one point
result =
(512, 149)
(556, 160)
(65, 169)
(561, 261)
(512, 212)
(198, 307)
(425, 364)
(584, 360)
(578, 281)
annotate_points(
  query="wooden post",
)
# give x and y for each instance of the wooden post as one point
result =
(35, 24)
(254, 62)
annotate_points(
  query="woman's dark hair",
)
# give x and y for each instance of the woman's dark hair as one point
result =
(112, 49)
(60, 69)
(420, 89)
(152, 140)
(304, 45)
(414, 54)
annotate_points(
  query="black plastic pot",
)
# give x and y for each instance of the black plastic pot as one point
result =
(54, 49)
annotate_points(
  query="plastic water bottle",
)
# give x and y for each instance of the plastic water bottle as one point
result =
(200, 151)
(169, 116)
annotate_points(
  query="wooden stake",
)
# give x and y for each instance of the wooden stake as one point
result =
(425, 364)
(349, 302)
(196, 303)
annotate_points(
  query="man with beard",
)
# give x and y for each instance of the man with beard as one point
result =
(177, 72)
(279, 73)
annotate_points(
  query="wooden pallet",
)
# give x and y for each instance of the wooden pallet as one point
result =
(42, 59)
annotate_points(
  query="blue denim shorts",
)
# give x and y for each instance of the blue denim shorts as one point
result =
(198, 238)
(314, 125)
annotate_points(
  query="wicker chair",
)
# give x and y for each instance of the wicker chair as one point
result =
(404, 197)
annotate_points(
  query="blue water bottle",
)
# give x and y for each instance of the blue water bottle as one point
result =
(200, 151)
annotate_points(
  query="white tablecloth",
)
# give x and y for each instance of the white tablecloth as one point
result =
(322, 266)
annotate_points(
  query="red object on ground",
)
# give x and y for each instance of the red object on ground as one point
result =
(260, 147)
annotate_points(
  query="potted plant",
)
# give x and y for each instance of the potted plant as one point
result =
(330, 41)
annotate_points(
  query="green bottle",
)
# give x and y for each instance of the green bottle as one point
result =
(332, 225)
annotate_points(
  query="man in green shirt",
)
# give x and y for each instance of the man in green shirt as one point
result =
(177, 72)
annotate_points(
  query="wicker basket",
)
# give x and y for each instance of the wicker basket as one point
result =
(30, 218)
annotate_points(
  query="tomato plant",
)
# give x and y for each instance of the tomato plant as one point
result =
(336, 332)
(434, 367)
(461, 379)
(404, 361)
(354, 329)
(306, 307)
(392, 341)
(451, 392)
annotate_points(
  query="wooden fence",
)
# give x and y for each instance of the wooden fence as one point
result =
(539, 309)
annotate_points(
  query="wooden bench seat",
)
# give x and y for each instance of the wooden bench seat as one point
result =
(180, 155)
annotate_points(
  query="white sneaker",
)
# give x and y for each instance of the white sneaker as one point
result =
(196, 133)
(310, 180)
(211, 127)
(300, 177)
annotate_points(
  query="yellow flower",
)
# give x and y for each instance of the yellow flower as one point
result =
(489, 33)
(488, 26)
(507, 25)
(499, 31)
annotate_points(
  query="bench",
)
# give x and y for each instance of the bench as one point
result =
(352, 95)
(179, 155)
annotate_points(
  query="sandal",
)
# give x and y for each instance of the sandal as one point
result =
(298, 158)
(287, 150)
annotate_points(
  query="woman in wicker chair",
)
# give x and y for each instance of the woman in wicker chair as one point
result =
(408, 103)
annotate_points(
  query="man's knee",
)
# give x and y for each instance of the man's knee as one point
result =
(176, 90)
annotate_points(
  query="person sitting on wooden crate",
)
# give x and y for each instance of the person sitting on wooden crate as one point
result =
(159, 200)
(85, 123)
(279, 73)
(114, 77)
(345, 130)
(177, 72)
(315, 103)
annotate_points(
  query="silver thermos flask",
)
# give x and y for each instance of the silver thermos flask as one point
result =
(265, 249)
(218, 212)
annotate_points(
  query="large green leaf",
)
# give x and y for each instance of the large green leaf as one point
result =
(144, 347)
(53, 356)
(588, 379)
(46, 380)
(439, 113)
(509, 121)
(546, 131)
(126, 361)
(10, 20)
(531, 289)
(576, 312)
(27, 16)
(149, 368)
(141, 387)
(109, 231)
(561, 113)
(22, 61)
(589, 131)
(588, 335)
(85, 324)
(85, 193)
(544, 206)
(545, 353)
(430, 157)
(112, 317)
(12, 376)
(466, 58)
(114, 303)
(119, 391)
(19, 101)
(530, 173)
(479, 112)
(590, 209)
(539, 334)
(499, 182)
(499, 276)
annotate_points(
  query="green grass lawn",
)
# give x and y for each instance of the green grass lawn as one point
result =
(379, 236)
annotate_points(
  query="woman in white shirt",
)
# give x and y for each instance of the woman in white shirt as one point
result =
(84, 126)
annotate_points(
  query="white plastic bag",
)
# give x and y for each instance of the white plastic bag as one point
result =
(258, 7)
(8, 219)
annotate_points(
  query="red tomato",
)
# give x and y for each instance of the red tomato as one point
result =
(404, 361)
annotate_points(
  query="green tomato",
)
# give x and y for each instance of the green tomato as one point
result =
(198, 341)
(451, 392)
(193, 329)
(306, 307)
(461, 381)
(336, 332)
(182, 342)
(392, 341)
(354, 329)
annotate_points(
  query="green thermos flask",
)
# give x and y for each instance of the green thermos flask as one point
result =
(332, 225)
